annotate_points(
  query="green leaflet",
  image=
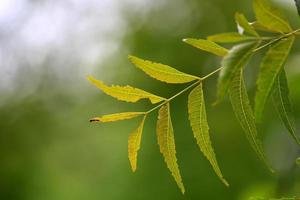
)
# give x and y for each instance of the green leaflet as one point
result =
(298, 6)
(270, 17)
(231, 63)
(134, 144)
(165, 137)
(242, 109)
(232, 37)
(269, 69)
(198, 122)
(243, 24)
(280, 96)
(117, 117)
(125, 93)
(206, 45)
(162, 72)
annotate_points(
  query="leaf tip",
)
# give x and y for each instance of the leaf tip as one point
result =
(131, 58)
(96, 119)
(225, 182)
(184, 39)
(90, 78)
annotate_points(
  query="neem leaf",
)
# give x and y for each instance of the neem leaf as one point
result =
(270, 17)
(236, 59)
(125, 93)
(134, 144)
(199, 124)
(280, 96)
(117, 117)
(162, 72)
(269, 70)
(206, 45)
(232, 37)
(242, 109)
(243, 24)
(165, 137)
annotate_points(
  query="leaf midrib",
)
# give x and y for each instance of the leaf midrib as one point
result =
(245, 116)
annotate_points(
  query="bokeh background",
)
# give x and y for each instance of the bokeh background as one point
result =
(49, 150)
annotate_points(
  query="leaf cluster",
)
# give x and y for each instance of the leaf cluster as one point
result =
(269, 30)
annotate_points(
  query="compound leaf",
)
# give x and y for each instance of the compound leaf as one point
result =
(206, 45)
(125, 93)
(280, 96)
(270, 17)
(165, 137)
(232, 62)
(117, 117)
(242, 109)
(199, 124)
(232, 37)
(134, 144)
(162, 72)
(269, 69)
(244, 25)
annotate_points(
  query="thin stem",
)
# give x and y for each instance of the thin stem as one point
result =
(295, 32)
(210, 74)
(173, 97)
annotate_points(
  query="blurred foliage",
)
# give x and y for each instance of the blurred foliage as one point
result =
(48, 150)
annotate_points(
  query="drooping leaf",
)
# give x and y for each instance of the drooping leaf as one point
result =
(270, 17)
(298, 6)
(229, 38)
(243, 111)
(117, 117)
(162, 72)
(199, 124)
(232, 62)
(134, 144)
(125, 93)
(206, 45)
(280, 96)
(269, 69)
(165, 137)
(244, 25)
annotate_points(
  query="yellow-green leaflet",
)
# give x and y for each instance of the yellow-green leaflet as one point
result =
(232, 37)
(162, 72)
(270, 17)
(125, 93)
(198, 122)
(244, 114)
(281, 100)
(134, 144)
(244, 25)
(206, 45)
(165, 137)
(236, 59)
(117, 117)
(269, 69)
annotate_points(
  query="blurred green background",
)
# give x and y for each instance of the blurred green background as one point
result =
(49, 150)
